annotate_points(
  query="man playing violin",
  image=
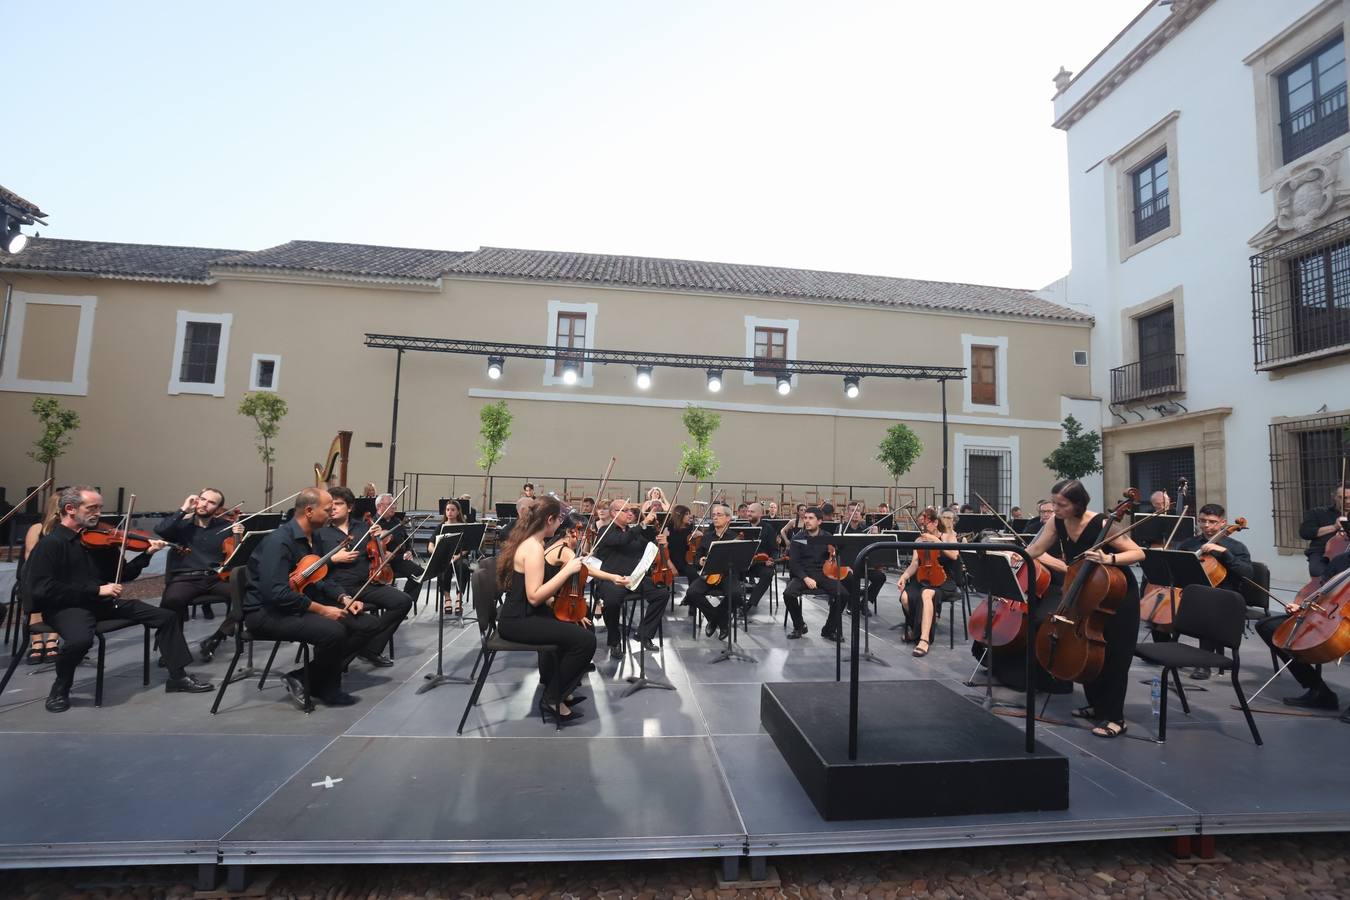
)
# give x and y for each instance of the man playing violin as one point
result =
(620, 548)
(75, 588)
(762, 572)
(404, 564)
(1232, 553)
(274, 611)
(194, 578)
(717, 617)
(349, 573)
(808, 550)
(1320, 525)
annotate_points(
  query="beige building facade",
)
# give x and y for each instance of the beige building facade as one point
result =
(155, 346)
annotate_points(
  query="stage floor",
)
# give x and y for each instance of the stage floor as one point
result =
(154, 778)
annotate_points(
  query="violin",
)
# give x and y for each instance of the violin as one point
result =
(377, 551)
(313, 568)
(930, 571)
(1071, 644)
(136, 541)
(231, 542)
(1319, 632)
(571, 604)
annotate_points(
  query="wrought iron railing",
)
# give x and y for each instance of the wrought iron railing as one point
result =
(1311, 126)
(1152, 376)
(1301, 298)
(1305, 468)
(1152, 217)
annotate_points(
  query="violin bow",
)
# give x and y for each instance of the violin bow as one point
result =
(126, 531)
(1112, 535)
(998, 516)
(401, 544)
(258, 513)
(1181, 509)
(599, 498)
(670, 507)
(24, 502)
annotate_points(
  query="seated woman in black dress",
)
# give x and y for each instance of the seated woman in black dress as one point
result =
(919, 600)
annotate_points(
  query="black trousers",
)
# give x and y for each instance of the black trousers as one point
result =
(876, 580)
(394, 606)
(1317, 566)
(1304, 674)
(335, 643)
(835, 590)
(697, 597)
(1106, 695)
(763, 574)
(181, 593)
(615, 595)
(458, 574)
(76, 624)
(576, 647)
(406, 568)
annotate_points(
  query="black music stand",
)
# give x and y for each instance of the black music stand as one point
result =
(1159, 528)
(640, 680)
(446, 547)
(471, 540)
(901, 562)
(242, 551)
(1173, 569)
(361, 507)
(505, 511)
(977, 523)
(729, 559)
(848, 547)
(992, 575)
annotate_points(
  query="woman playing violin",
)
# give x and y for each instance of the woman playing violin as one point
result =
(1076, 531)
(936, 571)
(678, 532)
(560, 550)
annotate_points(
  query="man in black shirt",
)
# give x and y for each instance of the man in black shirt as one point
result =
(807, 551)
(74, 590)
(1232, 553)
(1316, 694)
(1318, 527)
(404, 563)
(620, 549)
(273, 611)
(876, 576)
(761, 572)
(729, 588)
(349, 574)
(193, 578)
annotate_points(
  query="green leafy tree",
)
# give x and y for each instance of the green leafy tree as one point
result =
(266, 409)
(495, 431)
(699, 461)
(898, 451)
(1077, 455)
(57, 423)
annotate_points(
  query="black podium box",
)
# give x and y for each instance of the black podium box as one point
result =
(923, 750)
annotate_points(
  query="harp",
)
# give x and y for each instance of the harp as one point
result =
(338, 454)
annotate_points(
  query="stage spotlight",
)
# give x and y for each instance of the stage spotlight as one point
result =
(495, 364)
(850, 386)
(784, 384)
(569, 372)
(13, 240)
(644, 377)
(714, 380)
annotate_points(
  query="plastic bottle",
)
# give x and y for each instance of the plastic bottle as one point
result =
(1155, 692)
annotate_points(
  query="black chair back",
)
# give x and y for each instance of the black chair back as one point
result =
(238, 590)
(1213, 614)
(485, 595)
(1255, 594)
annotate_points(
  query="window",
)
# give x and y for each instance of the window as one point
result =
(571, 326)
(1305, 467)
(571, 334)
(984, 375)
(1312, 100)
(1151, 212)
(1301, 298)
(201, 347)
(1080, 358)
(989, 475)
(266, 372)
(1157, 351)
(1321, 288)
(770, 343)
(1162, 470)
(47, 344)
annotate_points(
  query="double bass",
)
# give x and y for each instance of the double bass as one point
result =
(1071, 643)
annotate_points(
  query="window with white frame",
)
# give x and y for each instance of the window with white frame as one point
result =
(265, 373)
(201, 347)
(47, 344)
(1147, 188)
(987, 467)
(985, 388)
(772, 340)
(571, 326)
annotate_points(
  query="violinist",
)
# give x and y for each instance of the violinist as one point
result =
(655, 502)
(562, 548)
(855, 522)
(527, 490)
(717, 617)
(1076, 531)
(274, 611)
(620, 547)
(75, 587)
(459, 567)
(1320, 525)
(808, 550)
(793, 525)
(587, 506)
(349, 572)
(404, 564)
(1226, 549)
(762, 572)
(919, 600)
(771, 509)
(679, 528)
(194, 578)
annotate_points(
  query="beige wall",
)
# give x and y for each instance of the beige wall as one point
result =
(161, 447)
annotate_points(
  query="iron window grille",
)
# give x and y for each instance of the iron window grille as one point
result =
(1301, 298)
(1152, 209)
(1312, 100)
(1305, 467)
(1162, 470)
(989, 475)
(266, 373)
(201, 349)
(1153, 376)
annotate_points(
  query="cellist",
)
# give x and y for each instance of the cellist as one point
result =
(1234, 555)
(1076, 530)
(1320, 525)
(1316, 694)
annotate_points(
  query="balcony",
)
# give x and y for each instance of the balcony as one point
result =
(1153, 376)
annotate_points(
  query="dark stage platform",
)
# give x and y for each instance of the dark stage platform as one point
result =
(153, 778)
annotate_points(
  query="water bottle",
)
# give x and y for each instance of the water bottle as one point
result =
(1155, 692)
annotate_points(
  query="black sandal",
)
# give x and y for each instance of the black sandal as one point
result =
(1110, 730)
(1085, 712)
(52, 648)
(922, 651)
(36, 654)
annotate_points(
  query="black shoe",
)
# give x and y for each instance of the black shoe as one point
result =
(794, 634)
(188, 684)
(575, 699)
(337, 698)
(295, 689)
(832, 636)
(1314, 700)
(722, 633)
(378, 660)
(710, 628)
(161, 662)
(59, 698)
(650, 647)
(207, 613)
(616, 652)
(208, 647)
(1200, 673)
(590, 667)
(551, 712)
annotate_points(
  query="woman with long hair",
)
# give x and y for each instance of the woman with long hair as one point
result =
(459, 565)
(44, 646)
(920, 600)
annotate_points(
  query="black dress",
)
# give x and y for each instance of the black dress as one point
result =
(1010, 669)
(524, 623)
(1106, 695)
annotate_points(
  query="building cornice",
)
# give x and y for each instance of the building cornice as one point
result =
(325, 279)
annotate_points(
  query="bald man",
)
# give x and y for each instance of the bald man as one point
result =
(620, 549)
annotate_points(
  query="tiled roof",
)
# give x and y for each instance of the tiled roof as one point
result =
(345, 259)
(733, 278)
(101, 259)
(25, 206)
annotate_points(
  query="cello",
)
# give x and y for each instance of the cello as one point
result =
(1161, 602)
(1319, 630)
(831, 568)
(1071, 644)
(1008, 631)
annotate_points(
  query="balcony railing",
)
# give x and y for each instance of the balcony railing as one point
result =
(1153, 376)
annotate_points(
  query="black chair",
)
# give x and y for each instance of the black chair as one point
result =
(1258, 600)
(1210, 614)
(487, 597)
(238, 589)
(101, 631)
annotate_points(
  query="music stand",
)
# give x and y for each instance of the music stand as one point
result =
(446, 547)
(729, 559)
(242, 551)
(362, 506)
(470, 540)
(505, 510)
(992, 575)
(1174, 569)
(848, 547)
(1159, 528)
(975, 523)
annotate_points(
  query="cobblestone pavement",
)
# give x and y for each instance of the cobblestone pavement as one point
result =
(1280, 866)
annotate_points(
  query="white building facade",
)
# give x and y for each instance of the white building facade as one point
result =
(1209, 180)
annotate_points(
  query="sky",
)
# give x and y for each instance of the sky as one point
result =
(888, 138)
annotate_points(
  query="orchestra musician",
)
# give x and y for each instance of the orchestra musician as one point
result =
(44, 647)
(349, 573)
(527, 490)
(1316, 694)
(195, 577)
(919, 600)
(1076, 529)
(808, 549)
(587, 506)
(793, 525)
(1155, 532)
(1234, 555)
(465, 503)
(761, 572)
(876, 576)
(1319, 525)
(655, 502)
(273, 611)
(404, 563)
(679, 528)
(620, 548)
(771, 509)
(459, 567)
(75, 587)
(717, 617)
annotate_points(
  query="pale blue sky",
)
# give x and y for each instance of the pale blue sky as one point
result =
(892, 138)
